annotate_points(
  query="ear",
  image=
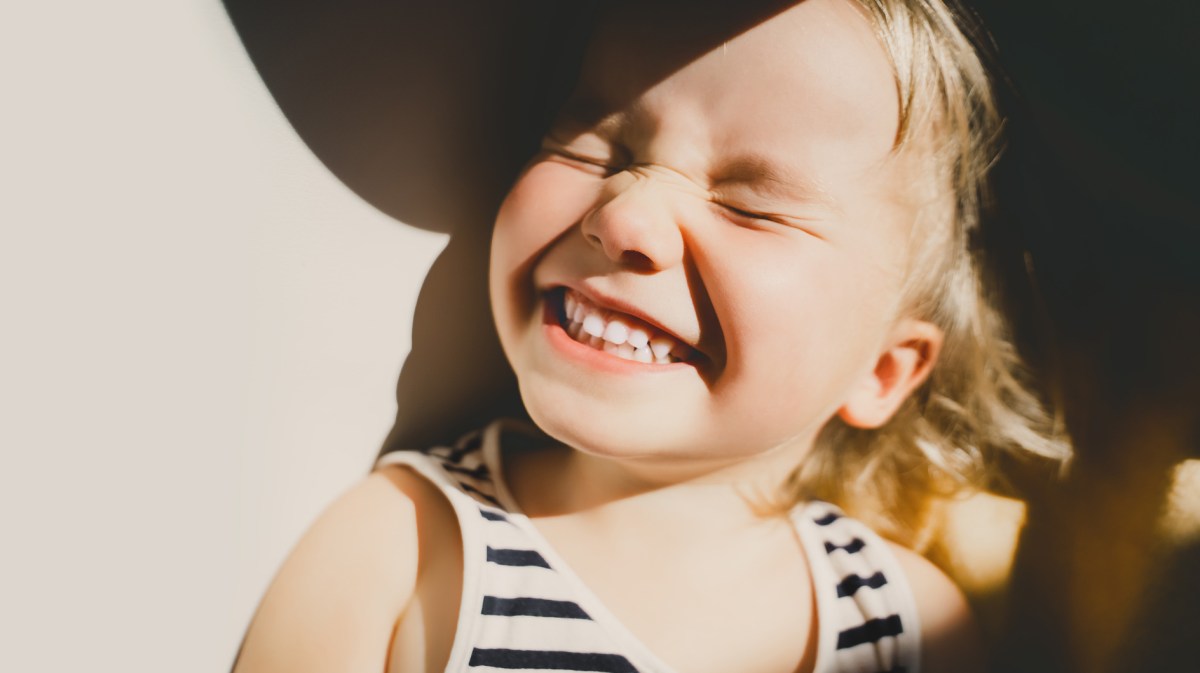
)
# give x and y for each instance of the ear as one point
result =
(905, 363)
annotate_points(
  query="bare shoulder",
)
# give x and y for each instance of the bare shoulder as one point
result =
(950, 639)
(336, 599)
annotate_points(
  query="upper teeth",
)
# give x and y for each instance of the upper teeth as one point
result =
(619, 334)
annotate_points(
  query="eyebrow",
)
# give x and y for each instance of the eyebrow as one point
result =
(774, 179)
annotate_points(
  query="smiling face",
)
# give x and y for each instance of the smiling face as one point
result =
(737, 221)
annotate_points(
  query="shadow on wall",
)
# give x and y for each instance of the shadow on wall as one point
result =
(427, 110)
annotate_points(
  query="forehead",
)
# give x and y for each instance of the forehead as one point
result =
(803, 79)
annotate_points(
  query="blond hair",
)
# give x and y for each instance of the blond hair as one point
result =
(979, 402)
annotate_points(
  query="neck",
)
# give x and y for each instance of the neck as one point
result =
(722, 491)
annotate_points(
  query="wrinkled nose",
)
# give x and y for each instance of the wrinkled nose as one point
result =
(634, 224)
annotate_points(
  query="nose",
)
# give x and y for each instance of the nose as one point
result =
(634, 224)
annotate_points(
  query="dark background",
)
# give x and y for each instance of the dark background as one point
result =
(1100, 181)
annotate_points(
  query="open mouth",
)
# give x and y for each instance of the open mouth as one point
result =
(614, 332)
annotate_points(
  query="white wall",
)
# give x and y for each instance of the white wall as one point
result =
(200, 335)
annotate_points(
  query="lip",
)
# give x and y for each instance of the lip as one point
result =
(562, 342)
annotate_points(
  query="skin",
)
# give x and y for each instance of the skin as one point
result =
(745, 199)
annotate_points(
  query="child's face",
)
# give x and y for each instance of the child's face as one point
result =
(744, 202)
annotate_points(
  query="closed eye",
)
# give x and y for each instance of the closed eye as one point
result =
(601, 167)
(594, 163)
(772, 222)
(746, 213)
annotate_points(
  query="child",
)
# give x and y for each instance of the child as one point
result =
(723, 284)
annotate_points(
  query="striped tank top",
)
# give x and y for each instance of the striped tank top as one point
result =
(523, 609)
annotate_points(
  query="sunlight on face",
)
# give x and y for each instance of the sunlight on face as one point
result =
(735, 203)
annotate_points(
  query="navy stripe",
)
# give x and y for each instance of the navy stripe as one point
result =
(870, 631)
(471, 489)
(480, 472)
(492, 516)
(448, 456)
(852, 583)
(465, 446)
(829, 518)
(532, 607)
(516, 557)
(544, 659)
(852, 547)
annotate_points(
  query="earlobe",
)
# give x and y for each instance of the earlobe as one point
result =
(899, 370)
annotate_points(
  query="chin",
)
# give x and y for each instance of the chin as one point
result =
(596, 428)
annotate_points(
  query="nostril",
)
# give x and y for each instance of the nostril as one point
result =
(636, 259)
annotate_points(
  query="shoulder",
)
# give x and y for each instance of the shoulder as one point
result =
(950, 638)
(347, 581)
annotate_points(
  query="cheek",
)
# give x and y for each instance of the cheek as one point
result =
(803, 325)
(544, 202)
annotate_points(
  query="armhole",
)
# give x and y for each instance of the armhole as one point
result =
(466, 511)
(818, 523)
